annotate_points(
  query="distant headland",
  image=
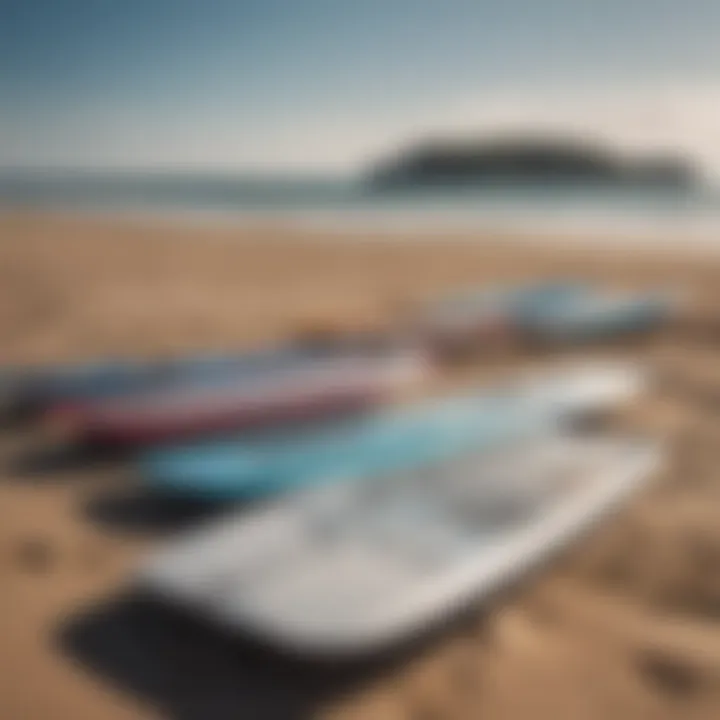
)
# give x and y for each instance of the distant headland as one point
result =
(526, 161)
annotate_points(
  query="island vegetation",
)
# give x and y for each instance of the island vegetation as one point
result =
(526, 161)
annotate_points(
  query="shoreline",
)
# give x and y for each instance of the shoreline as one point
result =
(667, 235)
(341, 228)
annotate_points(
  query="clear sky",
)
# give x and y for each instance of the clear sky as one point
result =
(315, 84)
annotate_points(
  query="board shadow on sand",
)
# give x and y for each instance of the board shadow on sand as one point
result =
(137, 509)
(50, 463)
(189, 670)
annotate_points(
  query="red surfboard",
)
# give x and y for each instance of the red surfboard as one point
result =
(326, 388)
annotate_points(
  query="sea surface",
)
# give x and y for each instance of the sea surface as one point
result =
(680, 215)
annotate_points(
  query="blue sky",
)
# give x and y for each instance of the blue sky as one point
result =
(315, 84)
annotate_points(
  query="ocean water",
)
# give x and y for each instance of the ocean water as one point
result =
(678, 215)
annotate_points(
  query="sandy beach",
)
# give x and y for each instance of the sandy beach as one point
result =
(623, 625)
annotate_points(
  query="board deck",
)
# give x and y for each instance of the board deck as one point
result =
(34, 390)
(595, 317)
(307, 391)
(391, 440)
(351, 568)
(486, 315)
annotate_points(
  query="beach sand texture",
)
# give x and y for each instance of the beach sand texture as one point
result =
(625, 624)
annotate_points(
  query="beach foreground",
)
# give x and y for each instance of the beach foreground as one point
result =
(624, 625)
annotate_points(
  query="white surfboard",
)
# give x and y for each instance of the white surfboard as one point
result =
(352, 567)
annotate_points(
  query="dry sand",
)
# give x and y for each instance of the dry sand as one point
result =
(623, 625)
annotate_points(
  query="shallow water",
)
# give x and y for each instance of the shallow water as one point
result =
(327, 202)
